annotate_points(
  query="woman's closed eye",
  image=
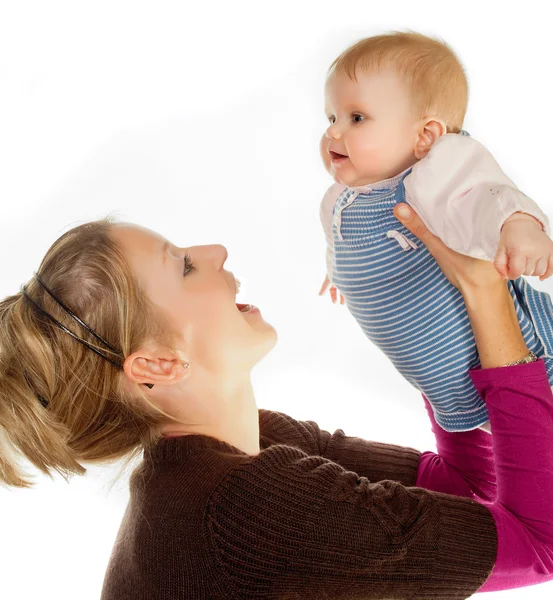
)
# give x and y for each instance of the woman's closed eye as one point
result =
(188, 266)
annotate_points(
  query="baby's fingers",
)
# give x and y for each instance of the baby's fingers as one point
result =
(517, 266)
(540, 266)
(530, 267)
(549, 270)
(333, 292)
(501, 262)
(325, 285)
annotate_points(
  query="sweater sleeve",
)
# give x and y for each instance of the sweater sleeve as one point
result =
(463, 196)
(327, 532)
(302, 526)
(520, 408)
(374, 460)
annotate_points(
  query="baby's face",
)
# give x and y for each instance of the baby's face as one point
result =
(372, 129)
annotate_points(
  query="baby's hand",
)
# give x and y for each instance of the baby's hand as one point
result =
(524, 248)
(333, 291)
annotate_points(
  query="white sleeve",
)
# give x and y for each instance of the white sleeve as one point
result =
(463, 196)
(325, 213)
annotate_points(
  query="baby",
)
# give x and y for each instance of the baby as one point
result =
(395, 105)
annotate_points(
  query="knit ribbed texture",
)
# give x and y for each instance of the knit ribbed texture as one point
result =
(373, 460)
(313, 516)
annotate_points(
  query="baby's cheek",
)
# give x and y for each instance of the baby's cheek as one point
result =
(370, 159)
(325, 157)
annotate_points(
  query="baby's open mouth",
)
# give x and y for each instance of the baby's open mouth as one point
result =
(336, 155)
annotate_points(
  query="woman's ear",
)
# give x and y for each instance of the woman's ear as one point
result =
(157, 366)
(431, 129)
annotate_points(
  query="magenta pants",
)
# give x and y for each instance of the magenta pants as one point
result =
(510, 471)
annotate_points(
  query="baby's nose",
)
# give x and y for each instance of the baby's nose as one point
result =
(333, 131)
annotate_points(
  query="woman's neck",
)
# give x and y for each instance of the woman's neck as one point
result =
(226, 412)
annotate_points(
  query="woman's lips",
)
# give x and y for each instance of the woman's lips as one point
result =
(247, 308)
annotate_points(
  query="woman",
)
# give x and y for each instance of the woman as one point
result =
(232, 502)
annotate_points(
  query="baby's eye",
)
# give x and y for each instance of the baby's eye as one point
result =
(332, 119)
(357, 118)
(188, 266)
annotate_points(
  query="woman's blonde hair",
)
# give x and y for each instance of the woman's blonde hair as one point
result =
(435, 76)
(91, 416)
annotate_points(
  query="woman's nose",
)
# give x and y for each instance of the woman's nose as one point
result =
(213, 252)
(220, 254)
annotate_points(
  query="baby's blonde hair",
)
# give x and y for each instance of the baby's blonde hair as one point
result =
(434, 74)
(90, 416)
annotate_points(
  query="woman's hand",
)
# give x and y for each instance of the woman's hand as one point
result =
(464, 272)
(490, 308)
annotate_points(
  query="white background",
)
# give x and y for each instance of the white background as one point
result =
(202, 121)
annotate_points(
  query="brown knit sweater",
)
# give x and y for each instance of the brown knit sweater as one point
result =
(314, 516)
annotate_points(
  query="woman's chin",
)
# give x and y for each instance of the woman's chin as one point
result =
(269, 340)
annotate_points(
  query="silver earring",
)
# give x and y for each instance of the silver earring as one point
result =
(151, 385)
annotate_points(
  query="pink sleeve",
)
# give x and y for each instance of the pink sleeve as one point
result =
(463, 465)
(520, 408)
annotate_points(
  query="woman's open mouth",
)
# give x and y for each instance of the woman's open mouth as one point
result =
(245, 308)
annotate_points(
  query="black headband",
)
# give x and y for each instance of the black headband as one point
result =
(43, 401)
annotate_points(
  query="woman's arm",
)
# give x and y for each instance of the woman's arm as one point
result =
(463, 464)
(521, 418)
(374, 460)
(494, 323)
(305, 526)
(285, 524)
(327, 531)
(520, 408)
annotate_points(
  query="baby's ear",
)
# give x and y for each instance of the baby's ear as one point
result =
(431, 129)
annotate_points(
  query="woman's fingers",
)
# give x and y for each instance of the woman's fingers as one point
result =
(461, 270)
(414, 224)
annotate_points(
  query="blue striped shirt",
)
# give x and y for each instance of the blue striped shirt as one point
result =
(403, 302)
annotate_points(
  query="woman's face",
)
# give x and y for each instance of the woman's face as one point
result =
(199, 297)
